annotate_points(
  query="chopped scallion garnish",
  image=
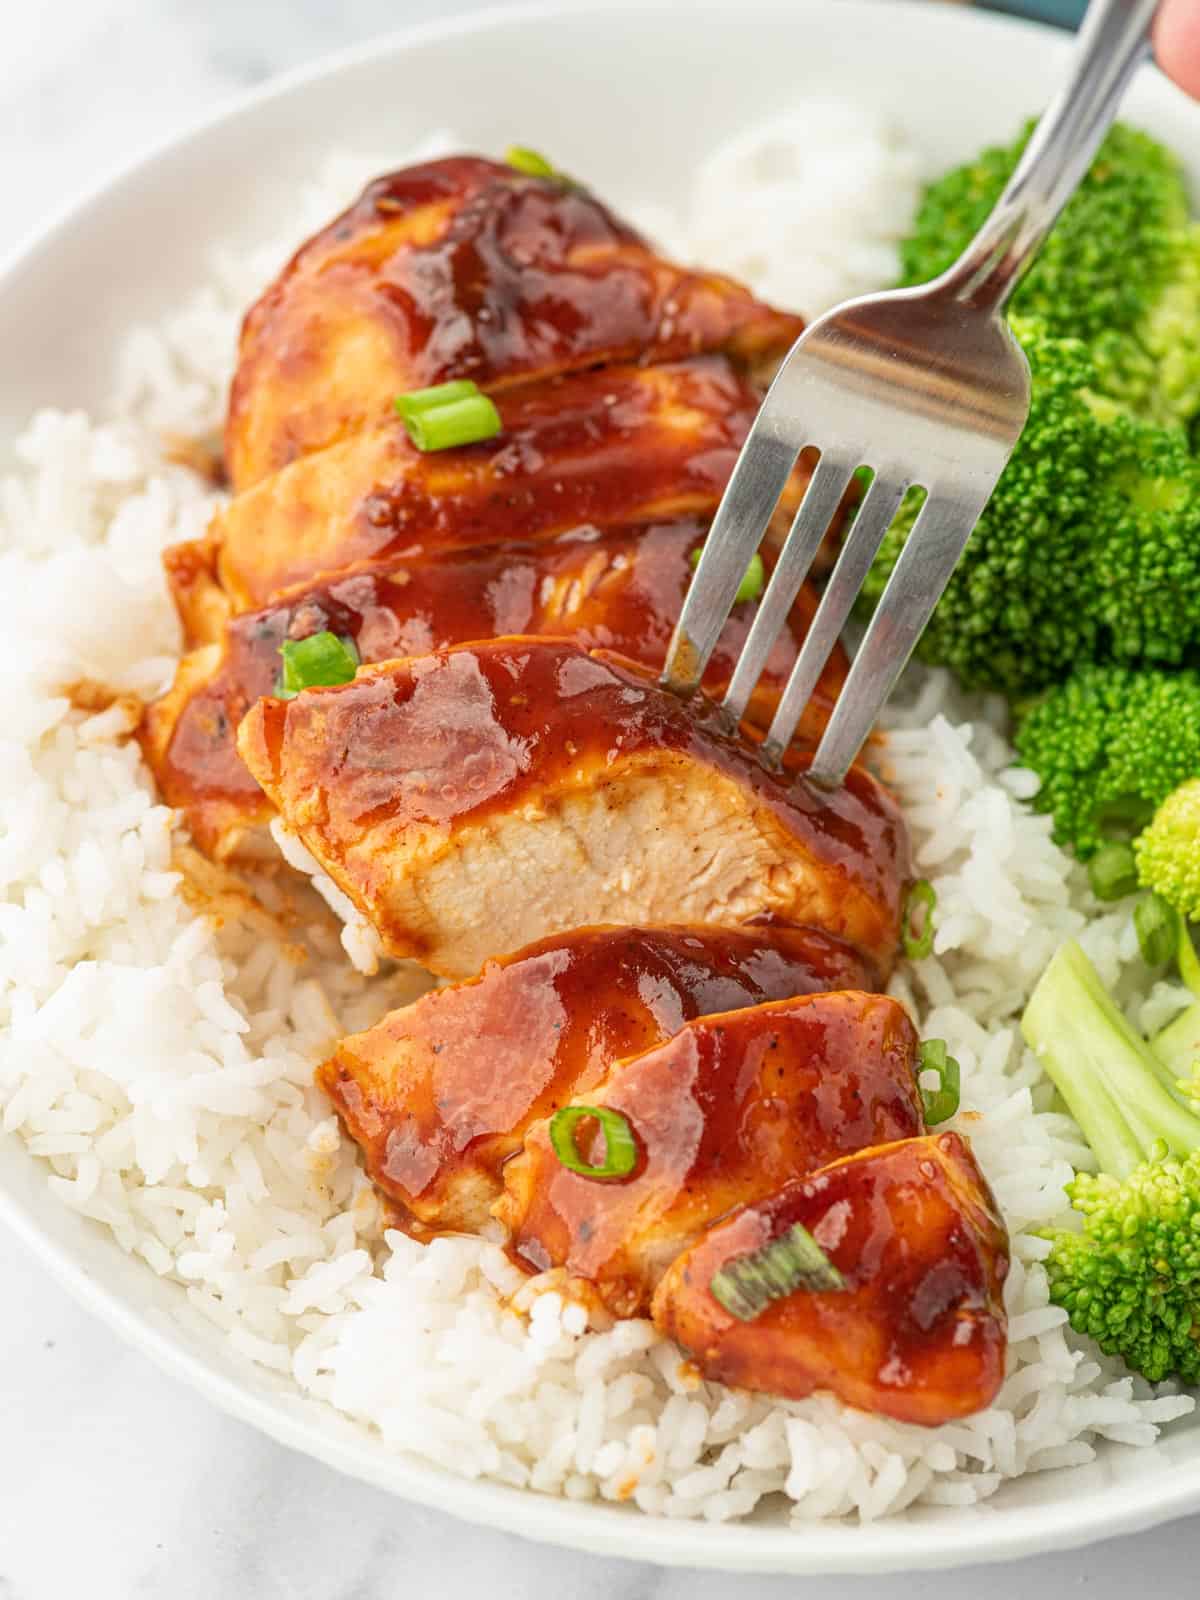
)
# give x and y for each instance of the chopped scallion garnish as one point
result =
(1112, 871)
(620, 1145)
(794, 1261)
(917, 927)
(318, 661)
(940, 1103)
(448, 414)
(438, 394)
(753, 579)
(531, 162)
(465, 421)
(1157, 926)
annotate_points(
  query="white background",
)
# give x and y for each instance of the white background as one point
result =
(115, 1483)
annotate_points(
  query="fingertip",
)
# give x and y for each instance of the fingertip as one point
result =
(1177, 43)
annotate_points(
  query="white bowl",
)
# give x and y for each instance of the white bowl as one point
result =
(630, 96)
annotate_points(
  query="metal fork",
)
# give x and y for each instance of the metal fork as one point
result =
(925, 387)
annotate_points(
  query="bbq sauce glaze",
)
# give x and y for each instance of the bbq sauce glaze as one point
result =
(440, 1093)
(621, 591)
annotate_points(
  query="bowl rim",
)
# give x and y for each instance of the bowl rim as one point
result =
(974, 1535)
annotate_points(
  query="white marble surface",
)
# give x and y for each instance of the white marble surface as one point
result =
(116, 1483)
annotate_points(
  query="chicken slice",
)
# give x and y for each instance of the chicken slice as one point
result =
(596, 449)
(915, 1330)
(474, 800)
(722, 1114)
(464, 268)
(620, 590)
(439, 1094)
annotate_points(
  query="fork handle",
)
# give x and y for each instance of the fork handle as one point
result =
(1114, 39)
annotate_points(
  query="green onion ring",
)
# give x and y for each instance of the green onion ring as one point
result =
(941, 1103)
(620, 1145)
(919, 945)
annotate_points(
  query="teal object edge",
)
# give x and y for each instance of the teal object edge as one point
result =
(1062, 13)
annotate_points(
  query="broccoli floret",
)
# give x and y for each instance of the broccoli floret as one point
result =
(1168, 851)
(1130, 1278)
(1089, 549)
(1121, 270)
(1109, 744)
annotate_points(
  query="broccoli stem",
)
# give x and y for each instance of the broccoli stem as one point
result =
(1187, 960)
(1108, 1076)
(1177, 1046)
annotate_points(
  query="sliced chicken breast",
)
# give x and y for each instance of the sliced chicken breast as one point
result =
(464, 268)
(909, 1323)
(474, 800)
(620, 590)
(596, 449)
(721, 1115)
(439, 1094)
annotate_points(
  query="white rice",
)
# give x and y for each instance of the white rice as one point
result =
(159, 1060)
(807, 205)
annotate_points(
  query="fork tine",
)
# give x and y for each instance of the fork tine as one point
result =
(872, 521)
(750, 498)
(939, 534)
(816, 511)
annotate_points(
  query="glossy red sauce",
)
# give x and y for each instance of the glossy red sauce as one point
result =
(723, 1113)
(919, 1331)
(596, 449)
(448, 738)
(440, 1093)
(532, 270)
(464, 268)
(581, 450)
(622, 591)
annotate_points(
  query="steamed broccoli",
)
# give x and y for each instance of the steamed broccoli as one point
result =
(1168, 851)
(1121, 270)
(1088, 550)
(1109, 744)
(1130, 1278)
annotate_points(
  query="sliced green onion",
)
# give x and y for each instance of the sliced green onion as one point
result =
(438, 394)
(448, 414)
(464, 421)
(319, 660)
(794, 1261)
(534, 165)
(531, 162)
(1112, 871)
(940, 1103)
(620, 1146)
(753, 579)
(918, 941)
(1157, 927)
